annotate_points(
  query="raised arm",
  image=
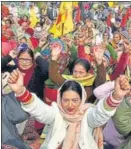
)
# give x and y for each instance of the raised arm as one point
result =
(54, 75)
(104, 90)
(122, 64)
(101, 70)
(101, 113)
(6, 59)
(30, 102)
(43, 64)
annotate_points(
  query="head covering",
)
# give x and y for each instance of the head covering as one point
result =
(107, 55)
(64, 58)
(71, 139)
(59, 41)
(74, 121)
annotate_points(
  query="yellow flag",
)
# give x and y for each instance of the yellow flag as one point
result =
(64, 21)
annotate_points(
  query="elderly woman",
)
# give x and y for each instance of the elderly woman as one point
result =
(72, 121)
(80, 72)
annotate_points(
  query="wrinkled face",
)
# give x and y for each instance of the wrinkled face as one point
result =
(70, 102)
(25, 61)
(79, 71)
(116, 38)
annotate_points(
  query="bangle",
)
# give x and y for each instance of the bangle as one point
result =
(112, 103)
(28, 102)
(25, 97)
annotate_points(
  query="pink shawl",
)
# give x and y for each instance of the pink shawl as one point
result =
(73, 131)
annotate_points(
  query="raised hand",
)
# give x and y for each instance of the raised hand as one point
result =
(98, 53)
(55, 51)
(13, 53)
(15, 81)
(122, 87)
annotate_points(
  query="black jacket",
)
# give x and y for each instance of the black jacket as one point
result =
(36, 84)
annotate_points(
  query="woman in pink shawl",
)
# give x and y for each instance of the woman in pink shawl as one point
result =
(72, 123)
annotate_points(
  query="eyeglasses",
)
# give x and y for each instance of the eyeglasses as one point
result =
(24, 60)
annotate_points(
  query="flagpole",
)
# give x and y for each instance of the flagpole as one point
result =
(62, 29)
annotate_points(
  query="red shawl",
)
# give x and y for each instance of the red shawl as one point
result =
(28, 74)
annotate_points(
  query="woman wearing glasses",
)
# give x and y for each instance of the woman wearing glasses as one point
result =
(35, 72)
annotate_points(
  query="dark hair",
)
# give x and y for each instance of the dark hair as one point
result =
(24, 38)
(84, 63)
(38, 23)
(28, 50)
(26, 17)
(8, 21)
(116, 32)
(71, 85)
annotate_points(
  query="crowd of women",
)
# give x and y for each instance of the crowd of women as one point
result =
(66, 75)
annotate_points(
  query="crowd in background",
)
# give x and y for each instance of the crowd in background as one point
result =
(51, 42)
